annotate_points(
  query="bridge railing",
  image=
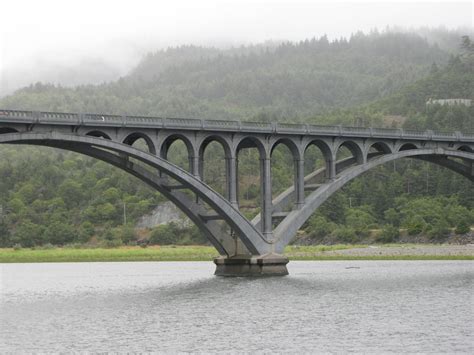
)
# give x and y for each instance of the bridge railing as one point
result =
(20, 116)
(386, 132)
(256, 126)
(290, 128)
(323, 129)
(58, 117)
(222, 125)
(24, 116)
(182, 123)
(102, 120)
(143, 121)
(414, 133)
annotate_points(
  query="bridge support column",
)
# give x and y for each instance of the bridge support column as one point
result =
(195, 166)
(266, 195)
(231, 172)
(299, 183)
(331, 169)
(247, 265)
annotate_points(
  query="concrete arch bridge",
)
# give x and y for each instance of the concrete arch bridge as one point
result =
(247, 247)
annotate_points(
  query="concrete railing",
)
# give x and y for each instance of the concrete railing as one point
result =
(87, 119)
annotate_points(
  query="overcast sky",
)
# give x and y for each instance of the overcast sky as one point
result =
(36, 34)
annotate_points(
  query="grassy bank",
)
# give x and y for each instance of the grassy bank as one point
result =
(204, 253)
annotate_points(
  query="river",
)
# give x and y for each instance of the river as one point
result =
(329, 306)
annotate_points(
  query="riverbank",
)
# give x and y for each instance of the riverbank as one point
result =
(205, 253)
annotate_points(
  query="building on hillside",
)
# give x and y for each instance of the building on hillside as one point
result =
(449, 102)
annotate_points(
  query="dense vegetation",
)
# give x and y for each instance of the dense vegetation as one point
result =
(53, 197)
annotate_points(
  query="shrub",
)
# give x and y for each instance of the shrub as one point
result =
(389, 234)
(463, 227)
(164, 234)
(319, 227)
(415, 225)
(439, 231)
(345, 235)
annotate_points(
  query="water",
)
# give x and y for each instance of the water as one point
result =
(344, 306)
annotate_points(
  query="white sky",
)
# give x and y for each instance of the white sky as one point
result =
(44, 32)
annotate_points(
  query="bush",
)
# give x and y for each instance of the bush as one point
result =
(415, 225)
(389, 234)
(463, 227)
(440, 231)
(345, 235)
(164, 234)
(319, 227)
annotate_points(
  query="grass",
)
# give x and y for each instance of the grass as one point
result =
(195, 253)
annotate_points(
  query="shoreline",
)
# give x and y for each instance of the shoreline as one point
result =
(206, 253)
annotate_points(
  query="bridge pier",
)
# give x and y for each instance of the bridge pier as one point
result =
(251, 265)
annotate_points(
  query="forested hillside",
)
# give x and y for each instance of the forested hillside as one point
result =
(48, 196)
(286, 81)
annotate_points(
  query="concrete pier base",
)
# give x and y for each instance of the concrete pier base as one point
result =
(252, 266)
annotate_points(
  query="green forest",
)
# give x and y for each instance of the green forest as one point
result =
(50, 197)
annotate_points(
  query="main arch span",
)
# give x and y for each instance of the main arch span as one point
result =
(246, 247)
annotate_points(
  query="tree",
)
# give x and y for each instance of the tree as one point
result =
(463, 227)
(164, 234)
(389, 234)
(58, 233)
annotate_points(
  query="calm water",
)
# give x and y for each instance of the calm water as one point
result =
(322, 306)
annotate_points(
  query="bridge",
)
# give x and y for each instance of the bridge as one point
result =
(246, 247)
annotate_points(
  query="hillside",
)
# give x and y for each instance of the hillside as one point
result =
(285, 81)
(49, 196)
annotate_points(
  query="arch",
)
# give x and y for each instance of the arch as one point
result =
(354, 148)
(407, 146)
(465, 148)
(381, 147)
(291, 152)
(253, 240)
(251, 142)
(225, 245)
(4, 130)
(133, 137)
(215, 138)
(323, 147)
(289, 143)
(98, 134)
(287, 229)
(169, 140)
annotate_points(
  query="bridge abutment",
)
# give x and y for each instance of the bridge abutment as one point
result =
(251, 265)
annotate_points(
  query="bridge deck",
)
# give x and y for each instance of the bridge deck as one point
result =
(103, 120)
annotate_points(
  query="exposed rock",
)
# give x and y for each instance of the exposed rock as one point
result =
(163, 214)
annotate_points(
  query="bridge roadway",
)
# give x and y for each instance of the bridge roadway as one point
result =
(246, 247)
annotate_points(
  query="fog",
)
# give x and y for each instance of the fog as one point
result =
(89, 41)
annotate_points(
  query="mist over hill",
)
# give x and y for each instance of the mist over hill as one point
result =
(284, 81)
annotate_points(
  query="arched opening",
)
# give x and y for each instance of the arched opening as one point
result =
(98, 134)
(407, 146)
(5, 130)
(317, 157)
(377, 149)
(349, 152)
(140, 141)
(213, 154)
(465, 148)
(284, 155)
(178, 150)
(249, 153)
